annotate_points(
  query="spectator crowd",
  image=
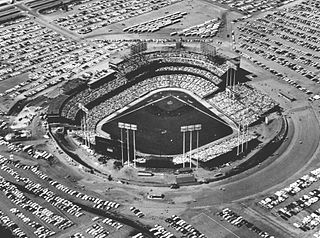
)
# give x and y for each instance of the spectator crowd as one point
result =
(195, 84)
(243, 105)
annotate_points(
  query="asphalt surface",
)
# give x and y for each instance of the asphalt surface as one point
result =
(293, 157)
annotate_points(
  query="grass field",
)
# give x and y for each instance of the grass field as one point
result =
(159, 119)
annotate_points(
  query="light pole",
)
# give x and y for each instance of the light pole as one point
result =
(247, 136)
(183, 130)
(121, 126)
(128, 127)
(197, 128)
(134, 128)
(84, 124)
(190, 129)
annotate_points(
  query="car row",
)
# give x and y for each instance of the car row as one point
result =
(297, 206)
(45, 193)
(295, 187)
(182, 226)
(139, 235)
(237, 220)
(8, 223)
(58, 185)
(308, 222)
(42, 213)
(112, 223)
(253, 6)
(204, 30)
(40, 230)
(156, 24)
(281, 76)
(137, 212)
(77, 235)
(274, 51)
(63, 188)
(160, 232)
(47, 56)
(97, 231)
(293, 45)
(96, 15)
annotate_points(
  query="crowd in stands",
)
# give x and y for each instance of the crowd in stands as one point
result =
(244, 105)
(186, 57)
(201, 72)
(213, 150)
(88, 95)
(195, 84)
(95, 15)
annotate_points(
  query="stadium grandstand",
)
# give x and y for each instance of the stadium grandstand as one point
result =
(136, 75)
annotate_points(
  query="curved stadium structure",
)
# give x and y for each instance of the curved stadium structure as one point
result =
(181, 76)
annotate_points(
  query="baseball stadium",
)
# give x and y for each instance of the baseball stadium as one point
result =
(173, 106)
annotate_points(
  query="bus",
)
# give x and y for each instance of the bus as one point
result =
(145, 173)
(154, 196)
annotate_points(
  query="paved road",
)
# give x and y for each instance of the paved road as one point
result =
(293, 157)
(291, 160)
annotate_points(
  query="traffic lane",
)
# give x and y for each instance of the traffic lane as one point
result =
(283, 168)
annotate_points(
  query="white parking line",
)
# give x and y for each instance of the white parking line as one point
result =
(220, 224)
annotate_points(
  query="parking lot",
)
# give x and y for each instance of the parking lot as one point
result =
(287, 44)
(37, 55)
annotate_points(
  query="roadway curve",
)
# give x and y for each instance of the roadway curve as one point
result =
(293, 157)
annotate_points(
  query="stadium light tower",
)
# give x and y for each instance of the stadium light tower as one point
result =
(121, 126)
(247, 135)
(197, 128)
(134, 128)
(84, 124)
(128, 127)
(184, 130)
(190, 129)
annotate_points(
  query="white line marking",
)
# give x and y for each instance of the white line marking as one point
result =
(220, 224)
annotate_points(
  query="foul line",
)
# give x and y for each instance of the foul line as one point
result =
(216, 118)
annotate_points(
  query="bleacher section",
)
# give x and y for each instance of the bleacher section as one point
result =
(215, 149)
(192, 70)
(140, 74)
(183, 57)
(88, 95)
(195, 84)
(193, 66)
(244, 105)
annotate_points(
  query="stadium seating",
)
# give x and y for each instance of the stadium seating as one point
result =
(184, 57)
(193, 70)
(246, 106)
(213, 150)
(195, 84)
